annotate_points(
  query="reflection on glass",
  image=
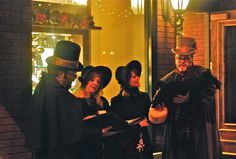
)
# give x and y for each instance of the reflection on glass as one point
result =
(42, 60)
(230, 74)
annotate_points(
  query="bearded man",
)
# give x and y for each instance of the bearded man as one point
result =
(185, 102)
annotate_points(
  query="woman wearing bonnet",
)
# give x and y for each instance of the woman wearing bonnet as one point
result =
(93, 81)
(129, 104)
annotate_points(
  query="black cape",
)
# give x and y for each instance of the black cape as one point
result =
(55, 116)
(200, 111)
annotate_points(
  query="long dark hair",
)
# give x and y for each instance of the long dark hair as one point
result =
(126, 86)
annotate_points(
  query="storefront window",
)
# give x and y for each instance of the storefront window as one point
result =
(43, 45)
(55, 20)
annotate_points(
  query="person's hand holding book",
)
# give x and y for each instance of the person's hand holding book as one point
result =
(158, 114)
(143, 123)
(106, 132)
(89, 117)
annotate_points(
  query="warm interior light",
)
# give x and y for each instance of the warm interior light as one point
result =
(179, 4)
(47, 52)
(81, 2)
(137, 6)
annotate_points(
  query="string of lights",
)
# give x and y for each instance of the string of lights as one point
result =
(124, 13)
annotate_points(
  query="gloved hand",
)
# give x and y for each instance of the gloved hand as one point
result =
(158, 114)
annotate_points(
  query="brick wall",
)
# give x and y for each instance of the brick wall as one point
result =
(165, 41)
(15, 81)
(163, 62)
(195, 25)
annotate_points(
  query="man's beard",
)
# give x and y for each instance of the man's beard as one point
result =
(182, 68)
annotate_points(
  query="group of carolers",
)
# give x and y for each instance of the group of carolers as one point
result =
(60, 127)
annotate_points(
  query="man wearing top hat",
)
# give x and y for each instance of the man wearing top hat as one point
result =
(56, 115)
(190, 118)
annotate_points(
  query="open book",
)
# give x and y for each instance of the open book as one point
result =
(135, 121)
(109, 119)
(169, 91)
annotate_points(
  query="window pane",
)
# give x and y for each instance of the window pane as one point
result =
(230, 74)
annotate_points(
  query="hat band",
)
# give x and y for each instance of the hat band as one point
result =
(175, 51)
(65, 63)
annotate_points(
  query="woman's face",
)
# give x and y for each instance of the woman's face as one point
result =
(134, 80)
(93, 84)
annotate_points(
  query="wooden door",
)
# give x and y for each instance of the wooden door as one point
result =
(223, 57)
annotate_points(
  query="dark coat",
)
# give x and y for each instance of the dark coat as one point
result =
(191, 129)
(123, 146)
(56, 117)
(93, 145)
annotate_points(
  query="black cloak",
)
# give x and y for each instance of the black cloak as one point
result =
(197, 118)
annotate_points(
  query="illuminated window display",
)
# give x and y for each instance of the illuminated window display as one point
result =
(43, 46)
(53, 21)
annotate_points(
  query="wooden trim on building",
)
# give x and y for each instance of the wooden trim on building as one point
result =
(219, 22)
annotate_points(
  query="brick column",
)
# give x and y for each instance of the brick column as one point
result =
(163, 63)
(165, 41)
(15, 71)
(195, 25)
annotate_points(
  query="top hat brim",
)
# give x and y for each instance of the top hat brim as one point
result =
(177, 51)
(66, 64)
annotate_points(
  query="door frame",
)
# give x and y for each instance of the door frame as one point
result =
(227, 130)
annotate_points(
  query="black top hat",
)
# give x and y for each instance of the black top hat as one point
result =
(66, 55)
(126, 72)
(104, 71)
